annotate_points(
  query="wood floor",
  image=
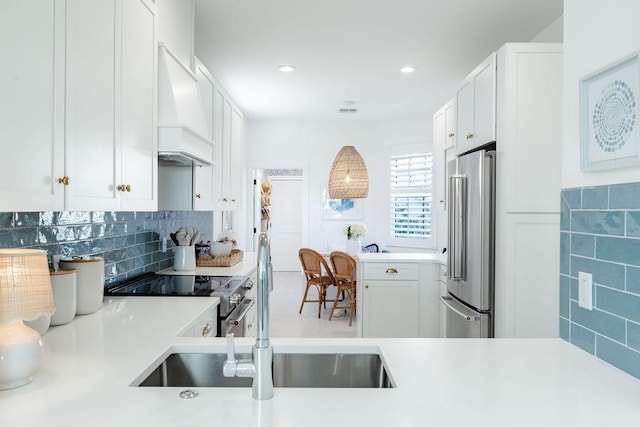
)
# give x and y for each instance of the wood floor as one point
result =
(284, 302)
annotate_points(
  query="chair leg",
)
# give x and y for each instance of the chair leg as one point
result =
(352, 305)
(304, 298)
(335, 303)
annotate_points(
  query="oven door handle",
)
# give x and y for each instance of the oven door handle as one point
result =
(241, 311)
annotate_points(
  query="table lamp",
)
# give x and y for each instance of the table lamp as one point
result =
(25, 294)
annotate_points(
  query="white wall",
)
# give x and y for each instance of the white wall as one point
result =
(596, 33)
(551, 34)
(175, 27)
(314, 144)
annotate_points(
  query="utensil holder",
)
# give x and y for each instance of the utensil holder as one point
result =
(184, 258)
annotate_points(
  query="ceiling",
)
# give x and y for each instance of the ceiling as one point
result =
(352, 50)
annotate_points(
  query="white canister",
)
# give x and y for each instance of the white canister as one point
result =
(89, 282)
(63, 285)
(184, 258)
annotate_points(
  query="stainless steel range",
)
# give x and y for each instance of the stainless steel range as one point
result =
(231, 290)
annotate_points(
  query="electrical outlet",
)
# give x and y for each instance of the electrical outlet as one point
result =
(164, 244)
(585, 290)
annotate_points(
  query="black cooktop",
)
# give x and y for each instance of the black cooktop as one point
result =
(151, 284)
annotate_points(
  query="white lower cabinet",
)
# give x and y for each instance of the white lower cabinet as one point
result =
(203, 326)
(398, 299)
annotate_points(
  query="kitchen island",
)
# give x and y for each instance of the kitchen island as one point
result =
(89, 365)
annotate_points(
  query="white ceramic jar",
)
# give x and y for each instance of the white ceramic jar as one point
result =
(63, 285)
(184, 258)
(89, 282)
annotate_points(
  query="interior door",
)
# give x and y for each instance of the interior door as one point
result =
(286, 212)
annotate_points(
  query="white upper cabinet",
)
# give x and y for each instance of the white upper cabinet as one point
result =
(203, 195)
(476, 107)
(111, 158)
(31, 106)
(83, 115)
(228, 133)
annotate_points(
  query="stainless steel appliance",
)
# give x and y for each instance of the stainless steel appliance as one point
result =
(232, 291)
(470, 263)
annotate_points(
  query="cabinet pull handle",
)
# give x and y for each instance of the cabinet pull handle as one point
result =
(64, 180)
(469, 136)
(391, 271)
(128, 188)
(123, 188)
(206, 329)
(198, 196)
(451, 135)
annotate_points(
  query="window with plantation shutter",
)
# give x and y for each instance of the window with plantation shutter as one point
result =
(411, 176)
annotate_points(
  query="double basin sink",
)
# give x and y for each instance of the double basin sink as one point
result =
(290, 369)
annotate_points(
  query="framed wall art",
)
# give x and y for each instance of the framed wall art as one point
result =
(609, 112)
(340, 209)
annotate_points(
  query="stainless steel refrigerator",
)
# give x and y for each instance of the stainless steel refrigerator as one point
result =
(469, 302)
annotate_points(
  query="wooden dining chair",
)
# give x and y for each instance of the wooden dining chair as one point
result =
(313, 264)
(344, 266)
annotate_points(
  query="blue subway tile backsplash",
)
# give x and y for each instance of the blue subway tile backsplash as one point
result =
(600, 235)
(129, 242)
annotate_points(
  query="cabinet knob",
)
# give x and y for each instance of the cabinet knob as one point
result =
(206, 329)
(225, 199)
(124, 187)
(391, 271)
(64, 180)
(198, 196)
(451, 135)
(469, 136)
(233, 200)
(366, 286)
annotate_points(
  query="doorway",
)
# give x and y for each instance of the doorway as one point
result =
(286, 215)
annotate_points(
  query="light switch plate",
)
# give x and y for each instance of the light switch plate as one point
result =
(585, 290)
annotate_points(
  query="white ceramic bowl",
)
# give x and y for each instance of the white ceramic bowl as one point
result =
(221, 248)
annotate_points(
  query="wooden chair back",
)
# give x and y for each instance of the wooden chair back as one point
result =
(313, 264)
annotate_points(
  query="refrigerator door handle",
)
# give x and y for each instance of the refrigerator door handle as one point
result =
(456, 258)
(465, 316)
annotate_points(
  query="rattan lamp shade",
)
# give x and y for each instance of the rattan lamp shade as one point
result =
(25, 285)
(348, 178)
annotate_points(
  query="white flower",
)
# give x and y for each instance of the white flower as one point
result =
(357, 230)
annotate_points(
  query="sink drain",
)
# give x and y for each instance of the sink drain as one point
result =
(189, 394)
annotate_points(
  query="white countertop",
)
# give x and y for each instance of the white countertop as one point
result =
(243, 268)
(90, 362)
(403, 257)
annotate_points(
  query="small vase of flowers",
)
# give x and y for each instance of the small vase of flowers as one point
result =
(353, 233)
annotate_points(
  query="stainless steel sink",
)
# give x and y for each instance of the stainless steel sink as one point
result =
(314, 370)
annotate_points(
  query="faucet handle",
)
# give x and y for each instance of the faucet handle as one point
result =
(230, 366)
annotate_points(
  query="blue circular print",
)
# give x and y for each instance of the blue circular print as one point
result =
(614, 116)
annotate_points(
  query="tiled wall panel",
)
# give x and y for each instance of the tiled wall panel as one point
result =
(600, 234)
(129, 242)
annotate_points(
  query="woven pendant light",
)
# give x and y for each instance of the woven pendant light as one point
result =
(348, 178)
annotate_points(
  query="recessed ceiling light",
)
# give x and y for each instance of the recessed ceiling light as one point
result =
(286, 68)
(408, 69)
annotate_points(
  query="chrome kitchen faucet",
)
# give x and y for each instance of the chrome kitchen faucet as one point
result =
(260, 368)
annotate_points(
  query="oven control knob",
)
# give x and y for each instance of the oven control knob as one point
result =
(235, 298)
(248, 284)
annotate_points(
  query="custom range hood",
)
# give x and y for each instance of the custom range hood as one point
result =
(182, 130)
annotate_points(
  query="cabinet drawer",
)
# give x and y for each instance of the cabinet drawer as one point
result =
(391, 271)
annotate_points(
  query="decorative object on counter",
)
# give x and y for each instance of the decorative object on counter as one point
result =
(221, 248)
(184, 258)
(265, 202)
(25, 294)
(609, 113)
(184, 254)
(63, 285)
(348, 178)
(89, 282)
(209, 260)
(353, 233)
